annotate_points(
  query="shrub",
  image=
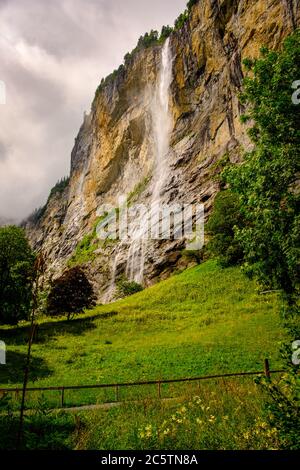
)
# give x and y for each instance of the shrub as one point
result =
(126, 288)
(224, 219)
(70, 294)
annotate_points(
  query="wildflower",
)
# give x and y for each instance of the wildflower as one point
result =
(183, 409)
(166, 432)
(212, 419)
(199, 421)
(225, 418)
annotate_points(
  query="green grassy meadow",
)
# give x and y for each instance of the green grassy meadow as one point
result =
(206, 320)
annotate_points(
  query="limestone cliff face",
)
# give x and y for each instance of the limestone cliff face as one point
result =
(114, 152)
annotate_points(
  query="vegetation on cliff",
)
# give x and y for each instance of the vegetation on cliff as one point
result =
(58, 188)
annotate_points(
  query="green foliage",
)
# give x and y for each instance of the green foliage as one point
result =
(126, 288)
(138, 190)
(224, 220)
(166, 31)
(84, 252)
(282, 410)
(181, 20)
(85, 249)
(220, 415)
(43, 429)
(191, 3)
(266, 182)
(16, 275)
(267, 185)
(70, 294)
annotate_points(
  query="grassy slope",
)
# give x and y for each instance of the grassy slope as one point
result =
(205, 320)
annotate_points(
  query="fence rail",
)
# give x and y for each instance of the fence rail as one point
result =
(62, 388)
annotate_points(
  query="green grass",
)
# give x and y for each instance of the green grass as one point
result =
(205, 320)
(219, 415)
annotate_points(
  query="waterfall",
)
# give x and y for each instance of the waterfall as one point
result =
(137, 241)
(161, 128)
(162, 121)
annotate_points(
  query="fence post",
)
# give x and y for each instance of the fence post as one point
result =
(62, 397)
(267, 369)
(159, 389)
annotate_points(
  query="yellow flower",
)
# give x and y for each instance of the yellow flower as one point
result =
(226, 418)
(212, 419)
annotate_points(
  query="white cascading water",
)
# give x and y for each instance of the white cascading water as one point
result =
(161, 128)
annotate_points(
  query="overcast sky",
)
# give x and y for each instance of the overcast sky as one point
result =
(53, 55)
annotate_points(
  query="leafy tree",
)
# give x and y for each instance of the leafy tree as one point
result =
(70, 293)
(225, 217)
(267, 183)
(16, 275)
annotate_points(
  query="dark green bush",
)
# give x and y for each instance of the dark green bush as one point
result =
(226, 216)
(126, 288)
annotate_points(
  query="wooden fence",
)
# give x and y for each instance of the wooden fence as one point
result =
(116, 386)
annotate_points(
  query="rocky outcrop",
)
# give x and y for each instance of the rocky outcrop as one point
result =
(113, 152)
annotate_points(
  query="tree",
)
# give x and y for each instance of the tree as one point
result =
(16, 275)
(267, 182)
(165, 33)
(267, 186)
(70, 293)
(225, 218)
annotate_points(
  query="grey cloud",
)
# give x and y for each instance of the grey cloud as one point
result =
(53, 56)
